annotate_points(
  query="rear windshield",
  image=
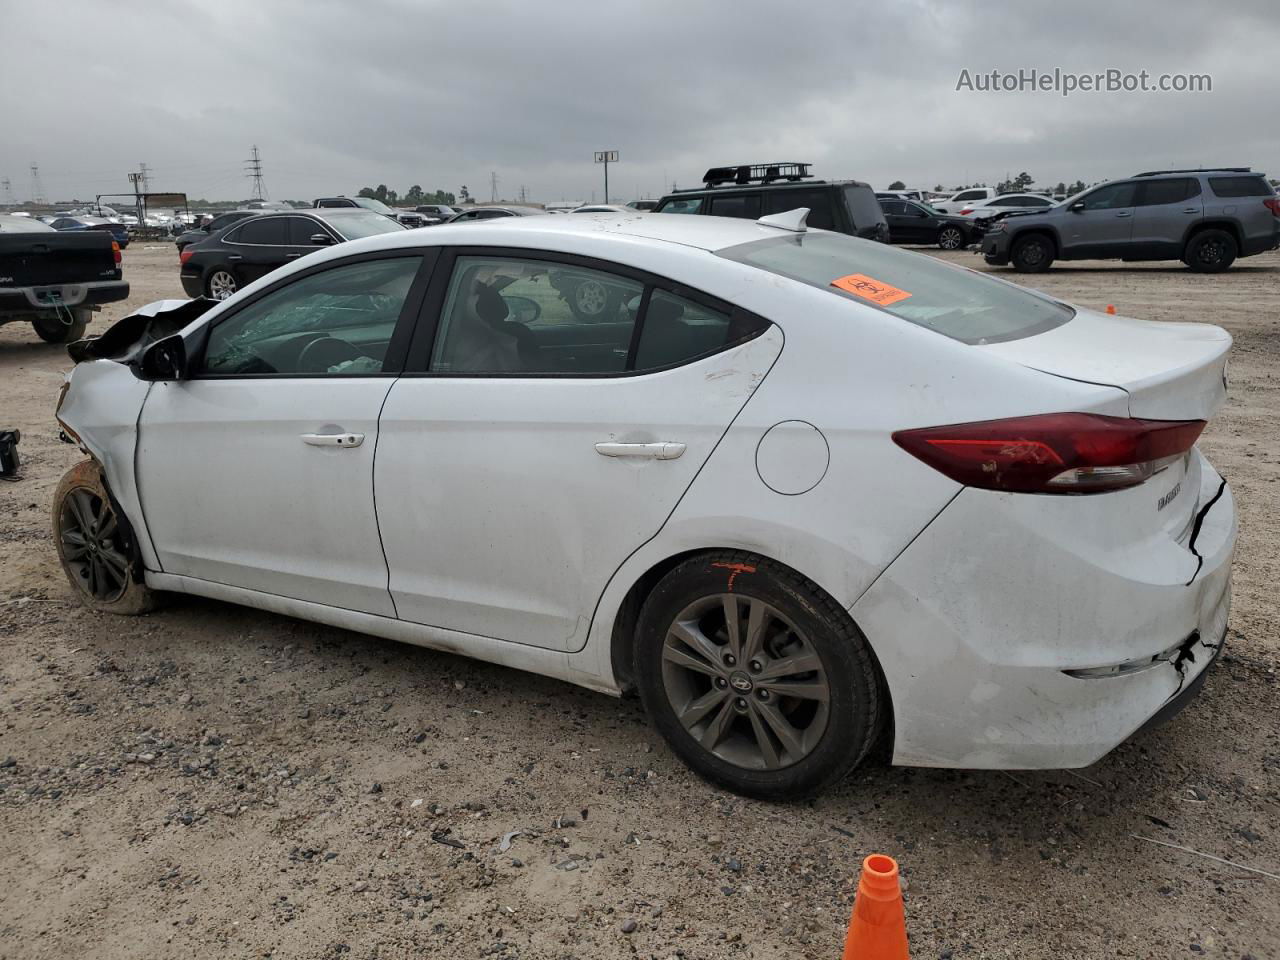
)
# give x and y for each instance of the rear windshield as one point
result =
(864, 208)
(915, 287)
(1240, 186)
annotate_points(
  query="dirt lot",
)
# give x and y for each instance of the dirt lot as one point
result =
(213, 781)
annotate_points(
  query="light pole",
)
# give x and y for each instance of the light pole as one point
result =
(606, 157)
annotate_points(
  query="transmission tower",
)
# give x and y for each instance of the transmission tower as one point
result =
(253, 169)
(37, 188)
(8, 191)
(146, 177)
(522, 199)
(493, 187)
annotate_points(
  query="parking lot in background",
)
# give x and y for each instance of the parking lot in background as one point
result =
(212, 778)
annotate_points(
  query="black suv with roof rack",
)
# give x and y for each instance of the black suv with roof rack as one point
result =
(751, 191)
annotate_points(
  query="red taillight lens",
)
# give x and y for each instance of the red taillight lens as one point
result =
(115, 251)
(1052, 453)
(186, 255)
(1273, 205)
(966, 211)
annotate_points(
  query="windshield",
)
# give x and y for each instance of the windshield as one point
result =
(377, 206)
(354, 225)
(950, 300)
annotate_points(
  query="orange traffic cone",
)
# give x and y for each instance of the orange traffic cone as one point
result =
(878, 927)
(1111, 309)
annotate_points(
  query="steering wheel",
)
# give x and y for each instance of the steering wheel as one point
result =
(325, 352)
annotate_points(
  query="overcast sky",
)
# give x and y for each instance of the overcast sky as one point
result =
(338, 95)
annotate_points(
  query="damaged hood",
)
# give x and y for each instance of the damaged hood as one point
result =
(125, 340)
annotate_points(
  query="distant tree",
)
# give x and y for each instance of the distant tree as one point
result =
(1023, 180)
(414, 195)
(1060, 188)
(1075, 188)
(897, 185)
(938, 189)
(366, 192)
(465, 194)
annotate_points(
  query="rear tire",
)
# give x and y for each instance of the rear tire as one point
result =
(220, 283)
(1210, 251)
(951, 238)
(96, 546)
(780, 707)
(1032, 254)
(56, 329)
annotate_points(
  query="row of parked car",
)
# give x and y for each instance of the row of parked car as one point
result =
(1206, 218)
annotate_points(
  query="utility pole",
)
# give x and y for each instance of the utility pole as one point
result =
(253, 169)
(493, 187)
(522, 197)
(146, 177)
(8, 191)
(37, 188)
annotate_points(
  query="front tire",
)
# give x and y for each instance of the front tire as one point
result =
(1032, 254)
(757, 679)
(96, 546)
(1211, 251)
(57, 330)
(951, 238)
(220, 284)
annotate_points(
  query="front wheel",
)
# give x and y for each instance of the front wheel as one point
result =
(951, 238)
(96, 546)
(1032, 254)
(58, 329)
(220, 284)
(757, 679)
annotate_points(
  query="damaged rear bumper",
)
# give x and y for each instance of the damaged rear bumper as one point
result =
(1005, 646)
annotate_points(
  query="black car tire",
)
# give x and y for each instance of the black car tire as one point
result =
(806, 619)
(56, 329)
(1210, 251)
(220, 279)
(118, 589)
(1032, 254)
(951, 238)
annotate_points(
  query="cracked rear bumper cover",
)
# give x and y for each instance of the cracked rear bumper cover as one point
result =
(1178, 702)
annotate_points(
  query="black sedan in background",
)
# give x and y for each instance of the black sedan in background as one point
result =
(912, 222)
(245, 251)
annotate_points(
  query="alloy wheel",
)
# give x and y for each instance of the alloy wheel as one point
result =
(1210, 252)
(744, 682)
(222, 284)
(950, 238)
(90, 537)
(591, 297)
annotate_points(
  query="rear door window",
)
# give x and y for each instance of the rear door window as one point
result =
(818, 202)
(1157, 192)
(957, 303)
(1247, 186)
(270, 231)
(969, 195)
(745, 206)
(682, 205)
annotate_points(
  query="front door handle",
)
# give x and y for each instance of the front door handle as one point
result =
(1190, 209)
(664, 450)
(1125, 213)
(292, 256)
(234, 256)
(333, 439)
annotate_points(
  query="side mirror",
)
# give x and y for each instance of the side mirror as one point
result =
(1077, 207)
(321, 239)
(164, 360)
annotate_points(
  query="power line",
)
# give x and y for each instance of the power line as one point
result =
(254, 167)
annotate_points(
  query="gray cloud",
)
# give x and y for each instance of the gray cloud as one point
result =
(339, 95)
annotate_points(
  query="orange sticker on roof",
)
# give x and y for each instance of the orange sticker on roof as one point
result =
(868, 288)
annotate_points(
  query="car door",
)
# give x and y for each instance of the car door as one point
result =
(919, 225)
(307, 235)
(257, 248)
(257, 470)
(1100, 224)
(896, 216)
(519, 463)
(1164, 211)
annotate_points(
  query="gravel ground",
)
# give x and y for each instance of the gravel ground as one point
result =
(211, 780)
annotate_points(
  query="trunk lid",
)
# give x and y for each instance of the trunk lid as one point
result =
(1171, 371)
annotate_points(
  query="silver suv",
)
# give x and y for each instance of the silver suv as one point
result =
(1205, 218)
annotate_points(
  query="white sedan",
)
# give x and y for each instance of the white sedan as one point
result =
(1004, 203)
(807, 495)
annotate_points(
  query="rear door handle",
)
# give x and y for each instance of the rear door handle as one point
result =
(663, 450)
(1190, 209)
(234, 256)
(333, 439)
(292, 256)
(1125, 213)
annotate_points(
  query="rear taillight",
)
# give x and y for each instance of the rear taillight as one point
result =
(1054, 452)
(186, 255)
(115, 251)
(966, 211)
(1273, 205)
